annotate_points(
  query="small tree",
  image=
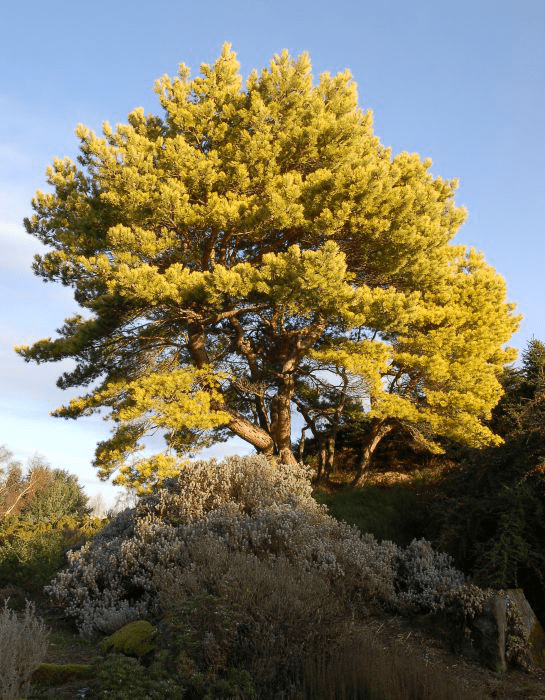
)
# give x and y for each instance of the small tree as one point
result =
(61, 497)
(236, 251)
(17, 490)
(40, 494)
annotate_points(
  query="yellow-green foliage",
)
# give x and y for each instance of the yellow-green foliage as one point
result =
(231, 250)
(33, 552)
(134, 639)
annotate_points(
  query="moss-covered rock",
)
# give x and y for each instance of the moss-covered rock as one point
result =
(134, 639)
(57, 674)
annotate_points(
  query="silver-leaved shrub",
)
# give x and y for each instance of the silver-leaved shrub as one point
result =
(246, 505)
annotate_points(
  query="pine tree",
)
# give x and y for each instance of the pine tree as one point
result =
(520, 414)
(253, 243)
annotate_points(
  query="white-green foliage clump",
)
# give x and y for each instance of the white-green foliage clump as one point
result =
(424, 576)
(247, 505)
(23, 646)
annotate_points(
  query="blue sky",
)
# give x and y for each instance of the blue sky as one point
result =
(460, 82)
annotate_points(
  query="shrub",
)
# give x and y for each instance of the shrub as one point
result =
(118, 677)
(424, 577)
(246, 505)
(232, 610)
(490, 516)
(32, 553)
(23, 645)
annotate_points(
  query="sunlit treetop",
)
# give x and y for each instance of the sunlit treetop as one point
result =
(231, 250)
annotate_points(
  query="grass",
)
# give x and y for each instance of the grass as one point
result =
(390, 512)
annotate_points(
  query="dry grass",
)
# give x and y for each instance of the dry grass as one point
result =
(361, 670)
(23, 645)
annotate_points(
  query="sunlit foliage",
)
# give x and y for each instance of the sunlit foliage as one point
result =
(248, 243)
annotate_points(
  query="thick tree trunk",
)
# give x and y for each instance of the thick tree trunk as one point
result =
(379, 428)
(282, 423)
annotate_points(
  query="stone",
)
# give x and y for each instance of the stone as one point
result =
(488, 631)
(533, 631)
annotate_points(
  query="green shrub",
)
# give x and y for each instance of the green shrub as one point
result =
(490, 516)
(31, 553)
(118, 677)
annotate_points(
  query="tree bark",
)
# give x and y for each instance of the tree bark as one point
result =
(243, 428)
(246, 430)
(379, 428)
(281, 423)
(330, 460)
(301, 450)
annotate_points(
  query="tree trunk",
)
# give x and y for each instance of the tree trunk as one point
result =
(301, 450)
(330, 460)
(322, 459)
(243, 428)
(282, 423)
(379, 428)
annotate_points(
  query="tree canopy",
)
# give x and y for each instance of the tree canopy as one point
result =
(255, 252)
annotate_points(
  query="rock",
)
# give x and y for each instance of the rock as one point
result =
(474, 624)
(533, 631)
(134, 639)
(488, 631)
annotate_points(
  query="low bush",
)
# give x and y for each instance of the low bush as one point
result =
(23, 645)
(118, 677)
(231, 610)
(244, 585)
